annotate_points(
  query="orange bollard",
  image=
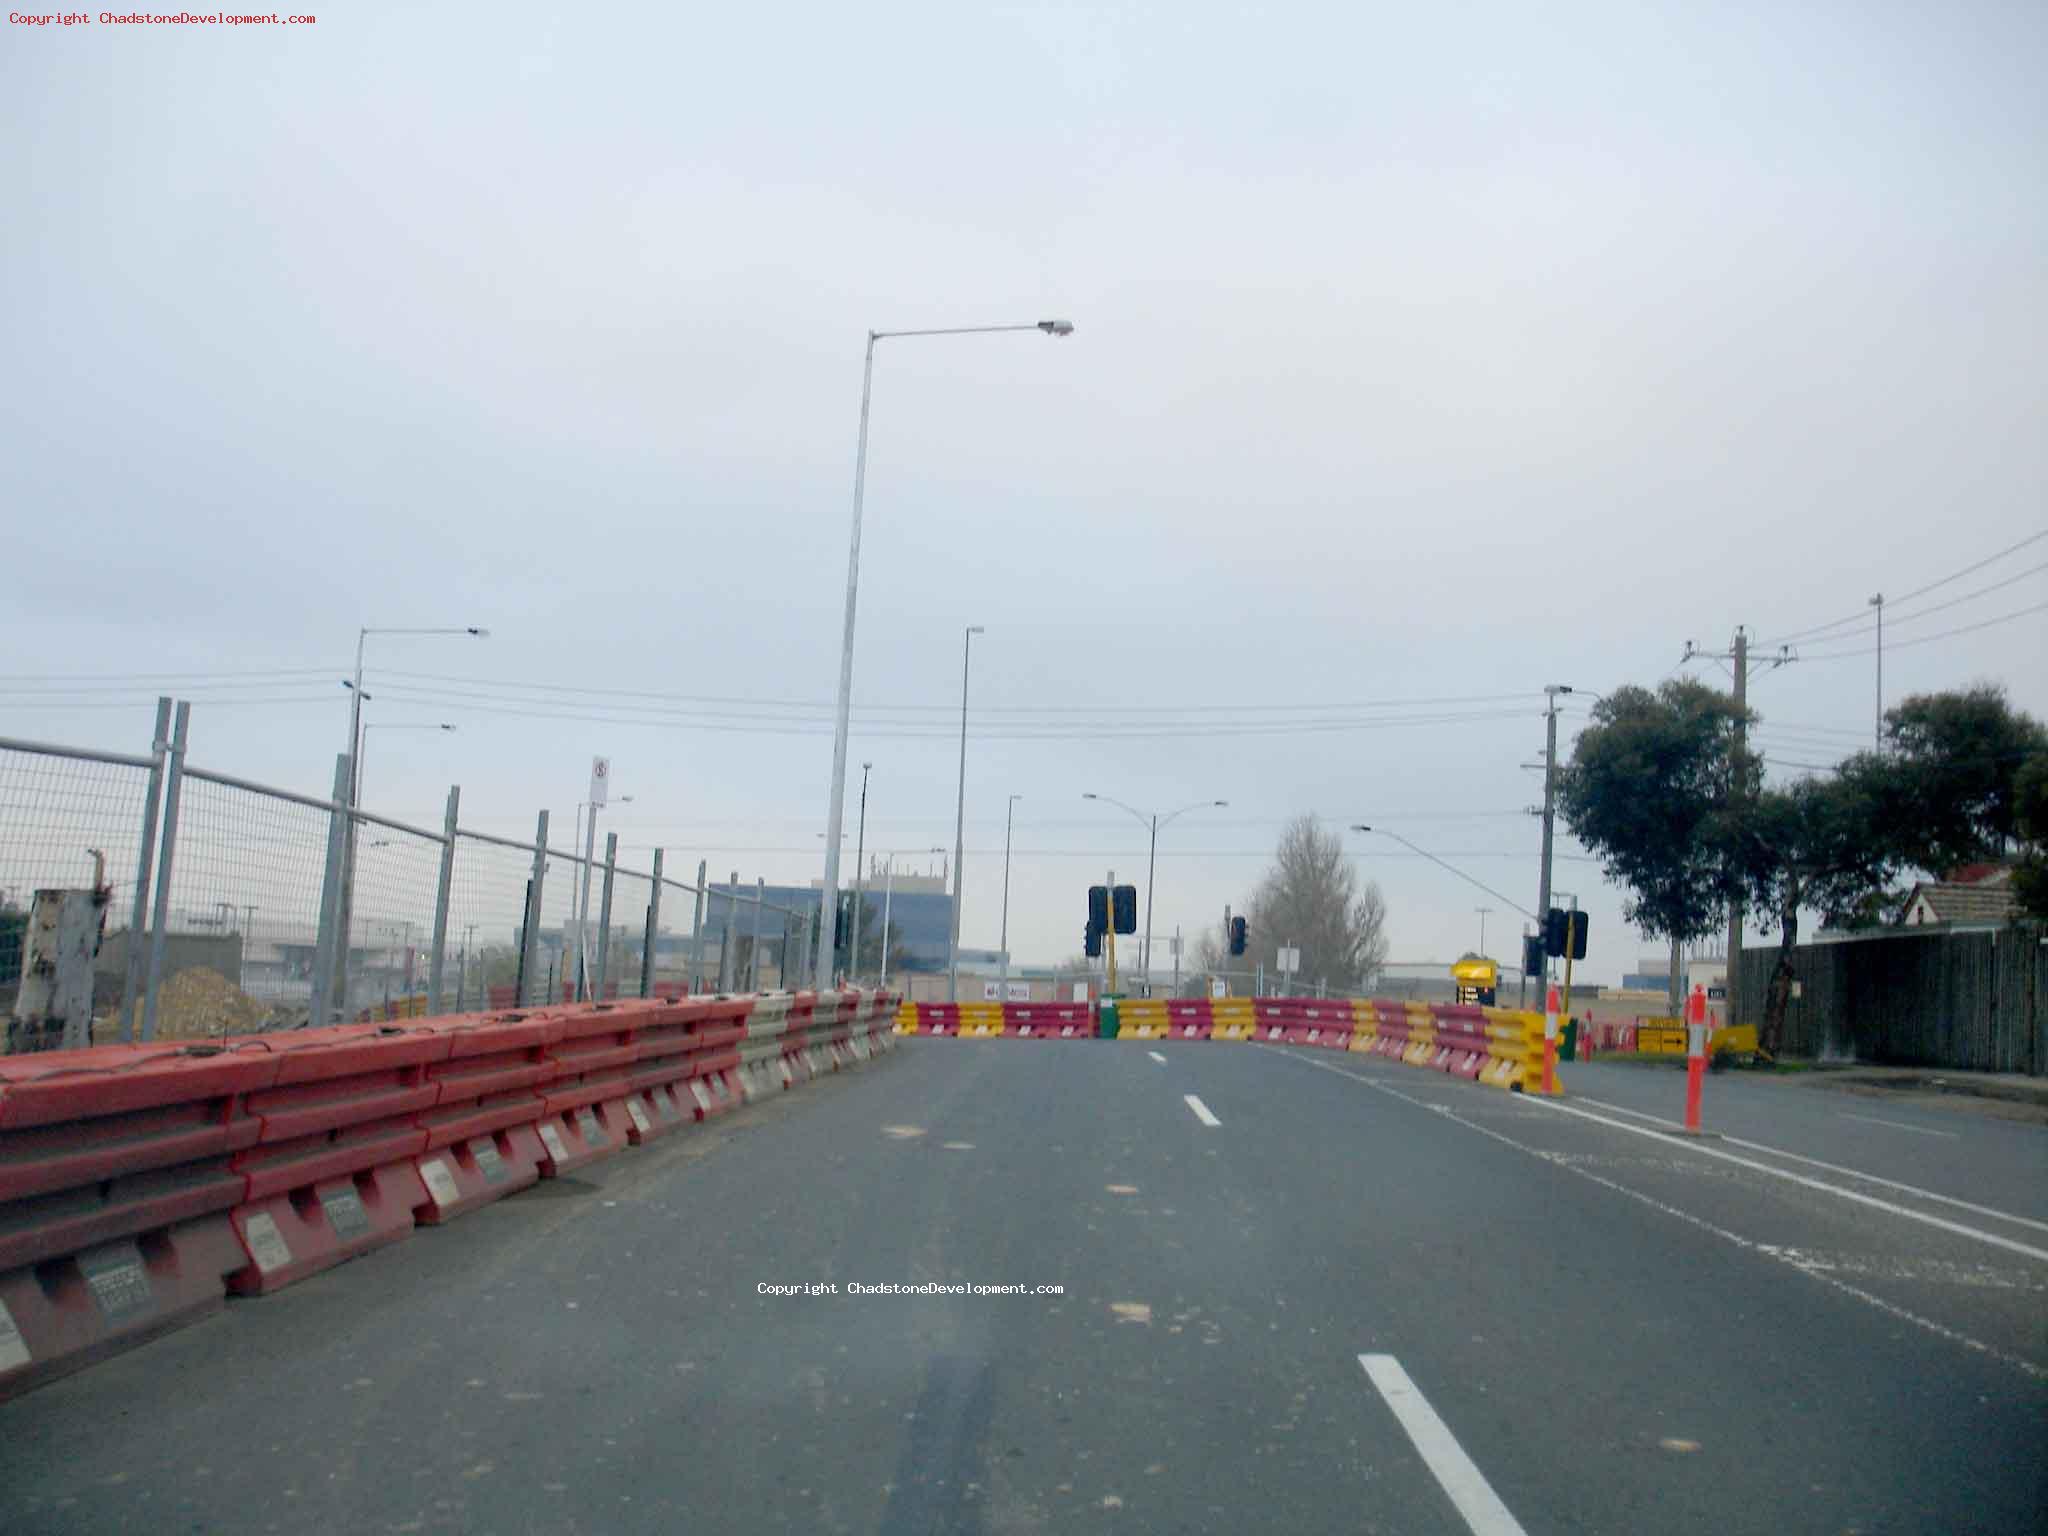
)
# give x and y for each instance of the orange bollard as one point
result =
(1695, 1055)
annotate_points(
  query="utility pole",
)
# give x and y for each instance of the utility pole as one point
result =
(1549, 803)
(1877, 602)
(1738, 658)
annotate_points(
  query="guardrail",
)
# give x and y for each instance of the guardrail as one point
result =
(141, 1184)
(1503, 1047)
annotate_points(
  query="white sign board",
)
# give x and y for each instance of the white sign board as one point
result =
(1219, 989)
(1289, 962)
(600, 779)
(1020, 992)
(1080, 991)
(991, 992)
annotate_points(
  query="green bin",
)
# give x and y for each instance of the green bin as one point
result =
(1106, 1025)
(1568, 1041)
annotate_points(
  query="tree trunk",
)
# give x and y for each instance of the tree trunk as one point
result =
(1781, 974)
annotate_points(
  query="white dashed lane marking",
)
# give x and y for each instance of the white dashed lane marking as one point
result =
(1201, 1110)
(1470, 1493)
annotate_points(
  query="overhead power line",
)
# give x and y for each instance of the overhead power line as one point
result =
(1900, 645)
(1863, 613)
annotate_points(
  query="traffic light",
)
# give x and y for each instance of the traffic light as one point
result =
(840, 922)
(1124, 907)
(1237, 935)
(1533, 954)
(1098, 907)
(1091, 943)
(1564, 933)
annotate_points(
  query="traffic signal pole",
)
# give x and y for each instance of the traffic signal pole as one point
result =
(1109, 934)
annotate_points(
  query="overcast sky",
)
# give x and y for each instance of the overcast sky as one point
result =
(1424, 355)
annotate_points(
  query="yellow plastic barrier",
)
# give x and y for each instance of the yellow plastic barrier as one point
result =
(1142, 1018)
(906, 1018)
(982, 1020)
(1232, 1018)
(1514, 1051)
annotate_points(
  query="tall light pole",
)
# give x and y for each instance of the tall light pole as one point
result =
(960, 819)
(1154, 821)
(1009, 819)
(345, 916)
(1876, 602)
(859, 870)
(1482, 911)
(835, 819)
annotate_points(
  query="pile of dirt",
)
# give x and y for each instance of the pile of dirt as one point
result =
(198, 1004)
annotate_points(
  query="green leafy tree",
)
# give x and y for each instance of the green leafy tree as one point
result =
(1647, 789)
(2030, 820)
(1951, 786)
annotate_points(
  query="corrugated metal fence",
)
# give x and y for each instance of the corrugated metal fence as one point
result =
(1976, 1002)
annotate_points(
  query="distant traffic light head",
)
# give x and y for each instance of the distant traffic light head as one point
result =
(1237, 935)
(1533, 954)
(1098, 907)
(1124, 908)
(1554, 931)
(1091, 942)
(1575, 937)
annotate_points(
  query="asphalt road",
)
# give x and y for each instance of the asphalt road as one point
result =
(1573, 1323)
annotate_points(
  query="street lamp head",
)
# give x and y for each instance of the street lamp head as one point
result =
(479, 632)
(1876, 602)
(1219, 802)
(1554, 689)
(1057, 327)
(976, 629)
(1359, 826)
(1089, 795)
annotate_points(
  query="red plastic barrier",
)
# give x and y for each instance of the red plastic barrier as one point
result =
(1043, 1021)
(114, 1189)
(1460, 1039)
(331, 1175)
(482, 1143)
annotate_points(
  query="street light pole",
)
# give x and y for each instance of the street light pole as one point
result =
(960, 820)
(1482, 911)
(355, 771)
(859, 871)
(835, 819)
(1876, 602)
(1009, 819)
(1152, 822)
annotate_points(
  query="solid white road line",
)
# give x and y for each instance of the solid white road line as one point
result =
(1157, 1057)
(1201, 1110)
(1470, 1492)
(1898, 1125)
(1854, 1173)
(1768, 1250)
(1956, 1227)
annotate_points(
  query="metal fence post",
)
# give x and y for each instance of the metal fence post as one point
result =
(697, 928)
(726, 955)
(138, 921)
(754, 949)
(604, 913)
(653, 928)
(529, 948)
(325, 938)
(159, 937)
(437, 966)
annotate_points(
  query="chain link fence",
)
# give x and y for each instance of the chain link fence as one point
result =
(228, 907)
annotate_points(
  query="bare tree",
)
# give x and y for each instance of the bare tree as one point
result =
(1311, 899)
